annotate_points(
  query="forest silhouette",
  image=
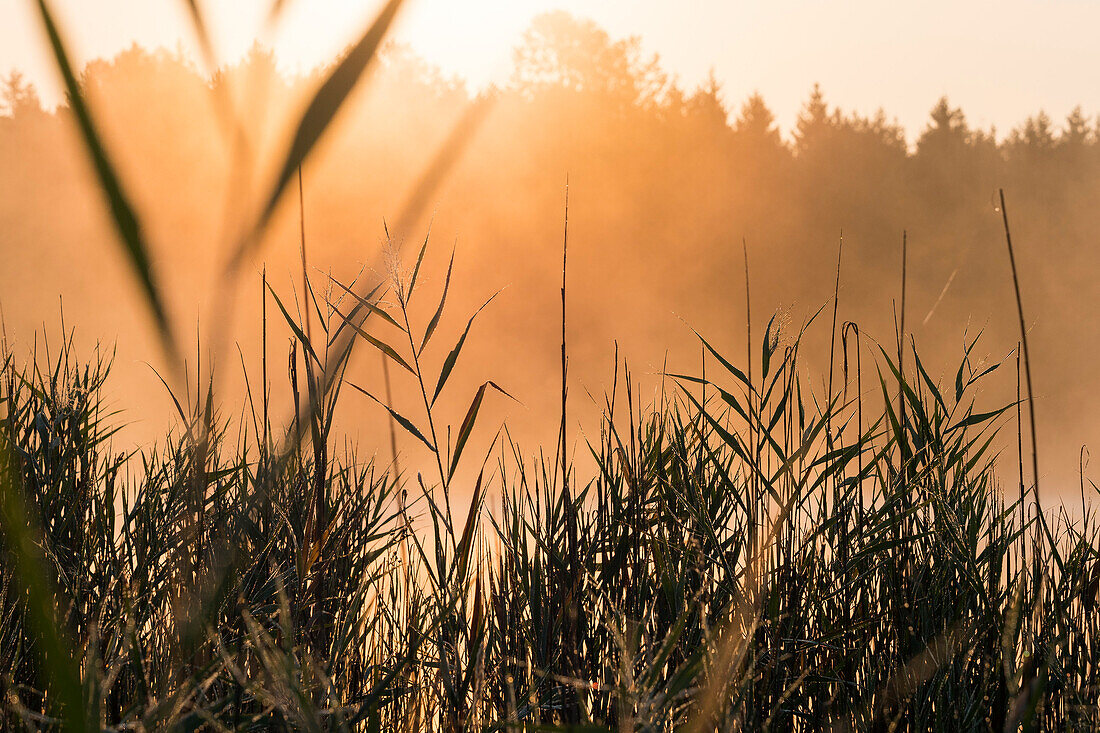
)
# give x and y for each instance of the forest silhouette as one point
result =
(665, 184)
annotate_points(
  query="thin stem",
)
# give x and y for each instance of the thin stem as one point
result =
(1027, 354)
(832, 348)
(564, 352)
(1020, 439)
(263, 357)
(302, 249)
(752, 413)
(389, 401)
(444, 481)
(901, 328)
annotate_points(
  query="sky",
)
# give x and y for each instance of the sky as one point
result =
(999, 61)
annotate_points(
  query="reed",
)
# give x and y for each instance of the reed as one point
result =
(860, 601)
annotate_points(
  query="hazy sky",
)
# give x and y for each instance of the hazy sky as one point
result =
(1000, 61)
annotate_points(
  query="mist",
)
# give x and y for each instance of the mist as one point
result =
(666, 186)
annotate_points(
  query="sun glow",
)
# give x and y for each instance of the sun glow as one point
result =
(802, 42)
(473, 40)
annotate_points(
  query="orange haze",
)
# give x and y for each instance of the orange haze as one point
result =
(665, 182)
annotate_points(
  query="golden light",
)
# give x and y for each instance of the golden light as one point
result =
(471, 39)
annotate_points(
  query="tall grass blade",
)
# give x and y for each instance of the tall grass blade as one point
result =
(123, 214)
(452, 357)
(319, 114)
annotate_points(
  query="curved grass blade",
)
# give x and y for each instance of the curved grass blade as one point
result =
(768, 347)
(122, 212)
(382, 346)
(468, 423)
(419, 261)
(438, 311)
(365, 302)
(401, 419)
(462, 553)
(319, 114)
(353, 314)
(452, 358)
(737, 373)
(298, 333)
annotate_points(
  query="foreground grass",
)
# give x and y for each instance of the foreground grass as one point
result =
(744, 555)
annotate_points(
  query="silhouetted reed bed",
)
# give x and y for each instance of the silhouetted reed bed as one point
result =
(740, 555)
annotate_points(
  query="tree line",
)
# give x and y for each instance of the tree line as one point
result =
(666, 185)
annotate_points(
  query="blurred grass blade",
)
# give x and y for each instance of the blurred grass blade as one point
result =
(322, 109)
(122, 212)
(443, 162)
(17, 528)
(202, 32)
(274, 11)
